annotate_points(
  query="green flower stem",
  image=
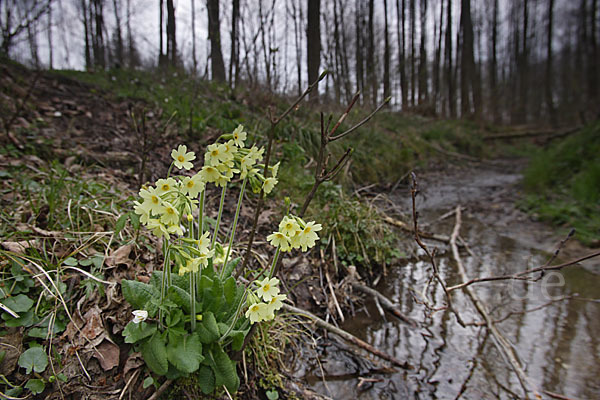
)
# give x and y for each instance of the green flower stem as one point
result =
(170, 169)
(275, 259)
(235, 220)
(214, 239)
(200, 232)
(201, 214)
(164, 283)
(193, 299)
(236, 317)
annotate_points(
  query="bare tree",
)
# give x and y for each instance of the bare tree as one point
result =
(17, 17)
(386, 54)
(448, 62)
(313, 42)
(171, 34)
(214, 35)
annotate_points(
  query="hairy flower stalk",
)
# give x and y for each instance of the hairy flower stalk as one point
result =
(235, 220)
(192, 281)
(214, 239)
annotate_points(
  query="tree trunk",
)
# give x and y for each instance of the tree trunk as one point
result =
(448, 66)
(524, 68)
(423, 87)
(467, 63)
(161, 56)
(214, 35)
(402, 50)
(119, 39)
(233, 63)
(413, 75)
(313, 45)
(548, 80)
(386, 55)
(370, 59)
(496, 114)
(171, 34)
(86, 36)
(593, 57)
(437, 60)
(50, 41)
(194, 58)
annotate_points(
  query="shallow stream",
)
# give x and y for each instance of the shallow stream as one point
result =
(558, 344)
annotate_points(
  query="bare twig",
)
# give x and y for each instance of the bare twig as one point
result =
(499, 340)
(436, 273)
(523, 274)
(161, 390)
(322, 174)
(347, 336)
(386, 303)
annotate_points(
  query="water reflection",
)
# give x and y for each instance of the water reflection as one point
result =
(558, 345)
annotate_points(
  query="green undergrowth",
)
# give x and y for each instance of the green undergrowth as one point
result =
(58, 226)
(563, 184)
(383, 150)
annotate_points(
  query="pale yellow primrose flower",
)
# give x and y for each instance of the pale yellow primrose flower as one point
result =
(203, 243)
(275, 304)
(192, 186)
(170, 215)
(275, 169)
(268, 288)
(229, 150)
(210, 173)
(182, 157)
(239, 136)
(165, 185)
(256, 312)
(215, 154)
(158, 228)
(142, 212)
(289, 227)
(269, 184)
(139, 316)
(152, 200)
(278, 239)
(308, 236)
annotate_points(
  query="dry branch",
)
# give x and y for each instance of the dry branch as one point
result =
(347, 336)
(500, 341)
(386, 303)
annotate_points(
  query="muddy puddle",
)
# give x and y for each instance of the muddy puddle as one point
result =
(558, 345)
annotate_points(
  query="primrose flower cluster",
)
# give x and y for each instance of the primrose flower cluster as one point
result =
(294, 233)
(265, 301)
(170, 199)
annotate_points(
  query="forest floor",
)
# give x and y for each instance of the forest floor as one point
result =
(75, 155)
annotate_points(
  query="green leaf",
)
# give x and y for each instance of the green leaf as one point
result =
(231, 266)
(34, 359)
(225, 372)
(135, 220)
(180, 297)
(27, 319)
(135, 332)
(71, 261)
(155, 354)
(272, 394)
(208, 330)
(229, 289)
(206, 379)
(138, 293)
(147, 382)
(36, 386)
(19, 303)
(120, 224)
(186, 353)
(176, 280)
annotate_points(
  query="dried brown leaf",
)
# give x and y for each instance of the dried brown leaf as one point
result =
(108, 355)
(19, 247)
(120, 256)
